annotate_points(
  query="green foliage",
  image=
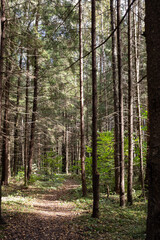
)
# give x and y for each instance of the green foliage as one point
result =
(105, 151)
(52, 162)
(144, 115)
(44, 181)
(20, 175)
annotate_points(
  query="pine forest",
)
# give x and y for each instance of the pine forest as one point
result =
(80, 119)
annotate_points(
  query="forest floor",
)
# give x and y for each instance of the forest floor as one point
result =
(48, 210)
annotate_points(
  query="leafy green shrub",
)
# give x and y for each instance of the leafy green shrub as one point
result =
(20, 175)
(105, 151)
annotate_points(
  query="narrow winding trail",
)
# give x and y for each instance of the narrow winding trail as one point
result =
(49, 218)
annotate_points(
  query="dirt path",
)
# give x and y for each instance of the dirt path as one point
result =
(49, 218)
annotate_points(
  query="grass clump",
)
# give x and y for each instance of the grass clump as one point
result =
(114, 223)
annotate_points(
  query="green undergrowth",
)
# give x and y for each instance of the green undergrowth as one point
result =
(114, 223)
(19, 198)
(45, 182)
(118, 223)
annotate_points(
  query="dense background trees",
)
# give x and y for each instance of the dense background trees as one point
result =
(51, 81)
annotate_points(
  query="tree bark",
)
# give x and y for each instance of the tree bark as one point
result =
(34, 113)
(2, 47)
(137, 76)
(26, 123)
(116, 120)
(22, 141)
(130, 111)
(101, 125)
(67, 150)
(87, 113)
(63, 158)
(121, 121)
(153, 78)
(83, 177)
(95, 173)
(15, 168)
(5, 144)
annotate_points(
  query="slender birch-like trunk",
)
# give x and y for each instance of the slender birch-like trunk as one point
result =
(84, 188)
(95, 173)
(137, 76)
(121, 121)
(116, 118)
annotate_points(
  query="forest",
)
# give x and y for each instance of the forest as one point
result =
(80, 119)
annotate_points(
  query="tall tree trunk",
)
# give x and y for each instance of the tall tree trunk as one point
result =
(26, 123)
(15, 169)
(137, 76)
(87, 114)
(121, 121)
(77, 156)
(63, 158)
(84, 188)
(5, 144)
(153, 77)
(34, 112)
(2, 47)
(67, 150)
(130, 111)
(39, 152)
(95, 173)
(116, 121)
(22, 141)
(101, 78)
(99, 122)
